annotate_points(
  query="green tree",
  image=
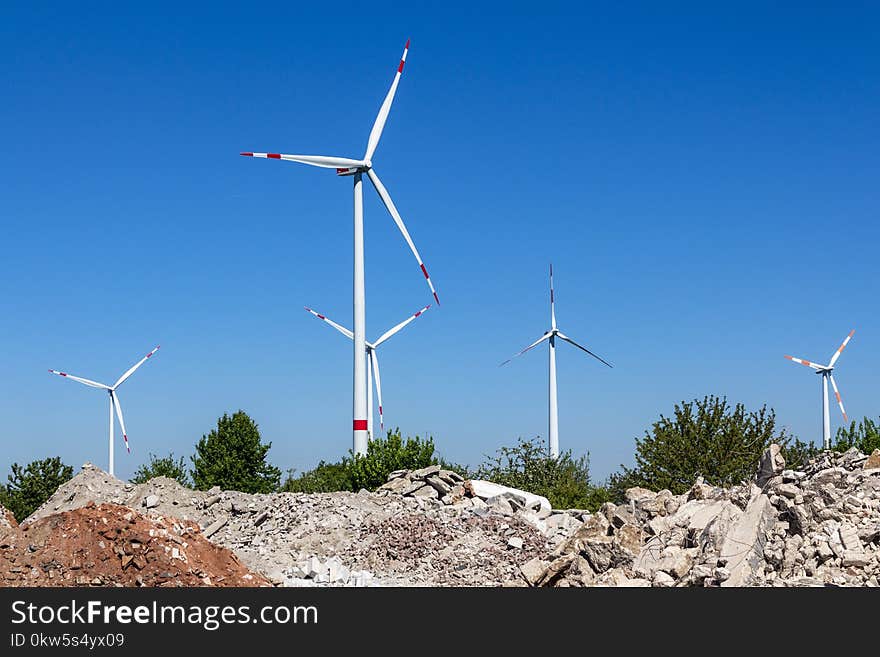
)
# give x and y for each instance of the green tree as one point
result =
(703, 438)
(166, 466)
(865, 436)
(564, 481)
(29, 487)
(233, 457)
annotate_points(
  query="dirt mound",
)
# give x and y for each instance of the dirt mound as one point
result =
(111, 545)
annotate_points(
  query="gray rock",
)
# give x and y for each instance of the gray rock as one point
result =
(638, 494)
(151, 501)
(743, 547)
(441, 486)
(426, 491)
(215, 526)
(663, 580)
(424, 473)
(532, 570)
(788, 490)
(771, 464)
(515, 542)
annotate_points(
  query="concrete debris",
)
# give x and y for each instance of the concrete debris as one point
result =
(7, 520)
(815, 526)
(432, 482)
(818, 526)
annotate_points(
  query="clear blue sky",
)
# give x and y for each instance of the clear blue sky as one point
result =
(704, 179)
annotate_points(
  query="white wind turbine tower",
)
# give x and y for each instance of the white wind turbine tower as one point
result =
(114, 400)
(356, 168)
(551, 336)
(825, 372)
(373, 359)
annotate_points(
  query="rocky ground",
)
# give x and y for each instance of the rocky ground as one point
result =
(815, 527)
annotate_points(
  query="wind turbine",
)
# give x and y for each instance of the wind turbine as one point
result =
(114, 399)
(551, 336)
(825, 372)
(373, 358)
(349, 167)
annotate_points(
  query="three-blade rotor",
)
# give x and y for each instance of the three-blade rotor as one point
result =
(347, 166)
(825, 370)
(114, 396)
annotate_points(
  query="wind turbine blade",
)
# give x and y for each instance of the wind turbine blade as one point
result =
(837, 395)
(534, 344)
(801, 361)
(379, 124)
(552, 300)
(88, 382)
(121, 421)
(392, 210)
(374, 358)
(840, 349)
(134, 367)
(570, 341)
(387, 334)
(323, 161)
(339, 328)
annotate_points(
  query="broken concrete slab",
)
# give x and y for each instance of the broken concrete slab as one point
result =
(743, 547)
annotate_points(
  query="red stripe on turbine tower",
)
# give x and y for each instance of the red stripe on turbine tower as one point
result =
(360, 425)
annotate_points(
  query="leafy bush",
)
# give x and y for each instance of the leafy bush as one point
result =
(384, 456)
(798, 453)
(162, 467)
(29, 487)
(865, 436)
(564, 481)
(325, 478)
(233, 457)
(705, 437)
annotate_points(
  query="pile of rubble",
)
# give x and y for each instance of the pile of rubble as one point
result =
(816, 527)
(7, 520)
(431, 483)
(112, 545)
(819, 526)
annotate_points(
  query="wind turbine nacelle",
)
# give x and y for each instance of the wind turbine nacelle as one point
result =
(348, 171)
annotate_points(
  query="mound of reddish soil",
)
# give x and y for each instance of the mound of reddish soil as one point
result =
(111, 545)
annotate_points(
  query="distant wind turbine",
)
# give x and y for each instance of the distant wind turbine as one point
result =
(825, 372)
(349, 167)
(114, 399)
(373, 359)
(551, 336)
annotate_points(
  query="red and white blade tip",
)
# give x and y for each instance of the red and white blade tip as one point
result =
(271, 156)
(125, 438)
(422, 310)
(59, 373)
(802, 361)
(403, 59)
